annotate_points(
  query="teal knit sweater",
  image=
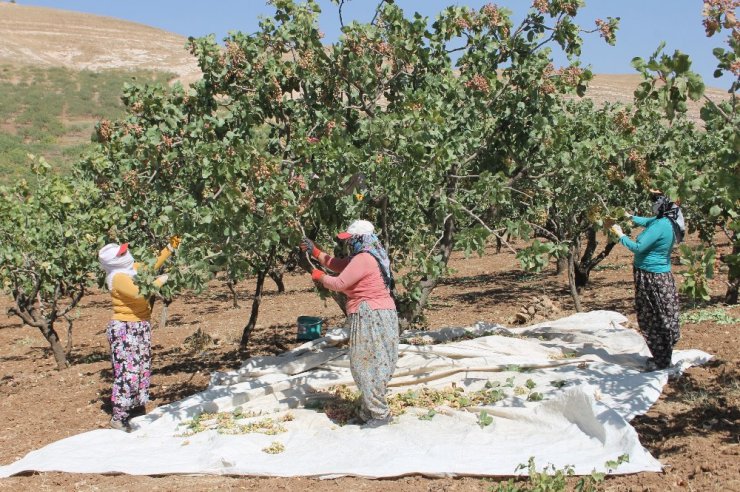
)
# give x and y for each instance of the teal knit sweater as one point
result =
(652, 248)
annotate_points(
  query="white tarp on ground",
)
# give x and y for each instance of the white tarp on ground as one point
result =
(582, 420)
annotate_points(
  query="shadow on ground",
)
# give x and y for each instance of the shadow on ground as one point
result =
(707, 407)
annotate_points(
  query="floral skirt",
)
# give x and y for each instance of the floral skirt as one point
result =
(656, 302)
(373, 353)
(131, 358)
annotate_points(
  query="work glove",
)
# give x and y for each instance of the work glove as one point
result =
(161, 279)
(309, 247)
(316, 274)
(617, 230)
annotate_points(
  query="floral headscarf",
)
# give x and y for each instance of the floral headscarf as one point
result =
(369, 243)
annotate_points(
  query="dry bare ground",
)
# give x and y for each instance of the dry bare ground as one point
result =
(693, 428)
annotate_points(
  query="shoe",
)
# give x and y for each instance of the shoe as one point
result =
(375, 423)
(120, 425)
(650, 365)
(137, 411)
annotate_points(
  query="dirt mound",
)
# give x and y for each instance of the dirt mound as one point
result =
(51, 37)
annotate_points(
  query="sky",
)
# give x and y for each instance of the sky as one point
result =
(644, 24)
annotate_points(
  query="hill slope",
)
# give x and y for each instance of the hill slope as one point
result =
(60, 38)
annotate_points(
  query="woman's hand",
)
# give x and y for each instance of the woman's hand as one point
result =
(316, 274)
(617, 230)
(309, 247)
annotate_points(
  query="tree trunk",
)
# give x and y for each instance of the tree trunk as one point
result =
(57, 349)
(582, 274)
(500, 241)
(733, 276)
(24, 308)
(234, 298)
(69, 336)
(572, 280)
(732, 289)
(561, 265)
(588, 261)
(163, 315)
(340, 299)
(385, 224)
(277, 277)
(256, 300)
(411, 310)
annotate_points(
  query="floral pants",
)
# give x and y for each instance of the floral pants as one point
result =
(373, 353)
(131, 357)
(656, 302)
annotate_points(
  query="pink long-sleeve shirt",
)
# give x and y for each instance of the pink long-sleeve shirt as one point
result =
(359, 279)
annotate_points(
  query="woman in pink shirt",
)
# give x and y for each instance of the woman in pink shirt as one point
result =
(365, 278)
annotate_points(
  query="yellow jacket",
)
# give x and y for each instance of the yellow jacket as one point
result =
(128, 305)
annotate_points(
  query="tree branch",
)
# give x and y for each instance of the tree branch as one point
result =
(440, 237)
(377, 11)
(481, 222)
(546, 233)
(716, 106)
(341, 19)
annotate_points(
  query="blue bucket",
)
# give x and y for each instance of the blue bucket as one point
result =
(309, 327)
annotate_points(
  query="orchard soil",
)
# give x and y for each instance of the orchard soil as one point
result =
(693, 429)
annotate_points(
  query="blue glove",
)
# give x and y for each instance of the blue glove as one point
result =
(309, 247)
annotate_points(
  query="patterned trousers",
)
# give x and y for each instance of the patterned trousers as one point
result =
(131, 358)
(373, 353)
(656, 302)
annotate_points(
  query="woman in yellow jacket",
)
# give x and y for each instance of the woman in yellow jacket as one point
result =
(129, 331)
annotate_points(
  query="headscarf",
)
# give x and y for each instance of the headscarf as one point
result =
(663, 207)
(113, 264)
(369, 243)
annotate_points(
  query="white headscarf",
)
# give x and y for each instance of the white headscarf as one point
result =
(113, 264)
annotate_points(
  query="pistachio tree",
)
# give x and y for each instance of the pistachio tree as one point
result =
(49, 239)
(602, 162)
(432, 149)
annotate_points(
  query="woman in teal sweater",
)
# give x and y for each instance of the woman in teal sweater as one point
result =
(656, 298)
